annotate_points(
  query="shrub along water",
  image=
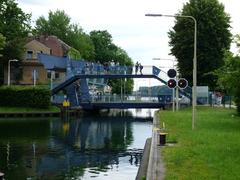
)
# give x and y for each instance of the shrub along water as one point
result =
(18, 96)
(211, 151)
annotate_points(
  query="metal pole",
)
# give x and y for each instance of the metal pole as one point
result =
(34, 77)
(173, 90)
(194, 89)
(9, 70)
(173, 99)
(194, 94)
(177, 101)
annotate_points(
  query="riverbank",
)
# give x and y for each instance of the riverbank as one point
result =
(52, 111)
(208, 152)
(28, 109)
(152, 164)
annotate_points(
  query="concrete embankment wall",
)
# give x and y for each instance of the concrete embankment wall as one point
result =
(152, 165)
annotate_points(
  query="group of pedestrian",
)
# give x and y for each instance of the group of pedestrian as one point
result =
(110, 67)
(138, 66)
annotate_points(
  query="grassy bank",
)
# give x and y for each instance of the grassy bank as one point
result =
(209, 152)
(22, 109)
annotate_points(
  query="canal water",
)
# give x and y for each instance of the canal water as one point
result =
(95, 146)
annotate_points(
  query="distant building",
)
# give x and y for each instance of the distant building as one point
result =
(31, 66)
(154, 91)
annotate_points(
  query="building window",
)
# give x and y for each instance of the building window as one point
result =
(53, 74)
(56, 75)
(49, 74)
(29, 55)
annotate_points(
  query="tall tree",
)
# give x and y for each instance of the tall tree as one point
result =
(104, 48)
(106, 51)
(2, 43)
(14, 26)
(81, 41)
(213, 37)
(228, 77)
(59, 24)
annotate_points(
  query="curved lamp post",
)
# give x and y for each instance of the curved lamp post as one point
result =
(194, 91)
(9, 69)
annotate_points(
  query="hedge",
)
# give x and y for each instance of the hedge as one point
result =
(16, 96)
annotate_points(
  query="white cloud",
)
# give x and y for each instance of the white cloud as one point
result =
(142, 37)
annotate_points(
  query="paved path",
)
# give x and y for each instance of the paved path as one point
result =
(156, 168)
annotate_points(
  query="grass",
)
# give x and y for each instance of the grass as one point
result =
(211, 151)
(28, 109)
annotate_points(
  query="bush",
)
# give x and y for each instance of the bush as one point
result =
(237, 99)
(25, 97)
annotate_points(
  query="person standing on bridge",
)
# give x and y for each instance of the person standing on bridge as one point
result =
(141, 68)
(136, 67)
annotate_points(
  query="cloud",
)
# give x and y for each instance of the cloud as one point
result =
(142, 37)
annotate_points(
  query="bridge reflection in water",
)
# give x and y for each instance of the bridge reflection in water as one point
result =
(92, 146)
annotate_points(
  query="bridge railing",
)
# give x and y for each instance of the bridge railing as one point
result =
(114, 98)
(110, 70)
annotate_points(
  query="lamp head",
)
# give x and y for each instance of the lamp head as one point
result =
(153, 15)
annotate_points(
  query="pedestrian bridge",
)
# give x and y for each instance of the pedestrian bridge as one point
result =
(77, 87)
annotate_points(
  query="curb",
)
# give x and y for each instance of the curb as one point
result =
(142, 170)
(156, 169)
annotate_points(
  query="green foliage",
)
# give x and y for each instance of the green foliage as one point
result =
(14, 26)
(228, 77)
(59, 24)
(2, 43)
(104, 48)
(213, 36)
(116, 85)
(74, 54)
(81, 41)
(25, 97)
(105, 51)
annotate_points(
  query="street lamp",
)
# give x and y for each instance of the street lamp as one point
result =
(165, 60)
(194, 91)
(173, 89)
(9, 69)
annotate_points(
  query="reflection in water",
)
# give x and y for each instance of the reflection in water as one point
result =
(106, 145)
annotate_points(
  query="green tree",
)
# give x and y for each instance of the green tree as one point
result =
(106, 51)
(104, 48)
(74, 54)
(82, 42)
(14, 26)
(123, 59)
(213, 37)
(2, 43)
(228, 77)
(59, 24)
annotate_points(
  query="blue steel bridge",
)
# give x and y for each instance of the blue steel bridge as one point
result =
(82, 76)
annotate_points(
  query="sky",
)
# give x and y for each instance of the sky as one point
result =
(143, 38)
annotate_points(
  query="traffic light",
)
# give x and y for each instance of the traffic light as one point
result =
(182, 83)
(171, 83)
(172, 73)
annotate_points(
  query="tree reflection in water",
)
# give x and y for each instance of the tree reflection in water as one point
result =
(58, 149)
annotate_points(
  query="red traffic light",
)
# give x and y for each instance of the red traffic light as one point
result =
(182, 83)
(172, 73)
(171, 83)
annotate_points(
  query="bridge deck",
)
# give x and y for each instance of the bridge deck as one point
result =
(120, 105)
